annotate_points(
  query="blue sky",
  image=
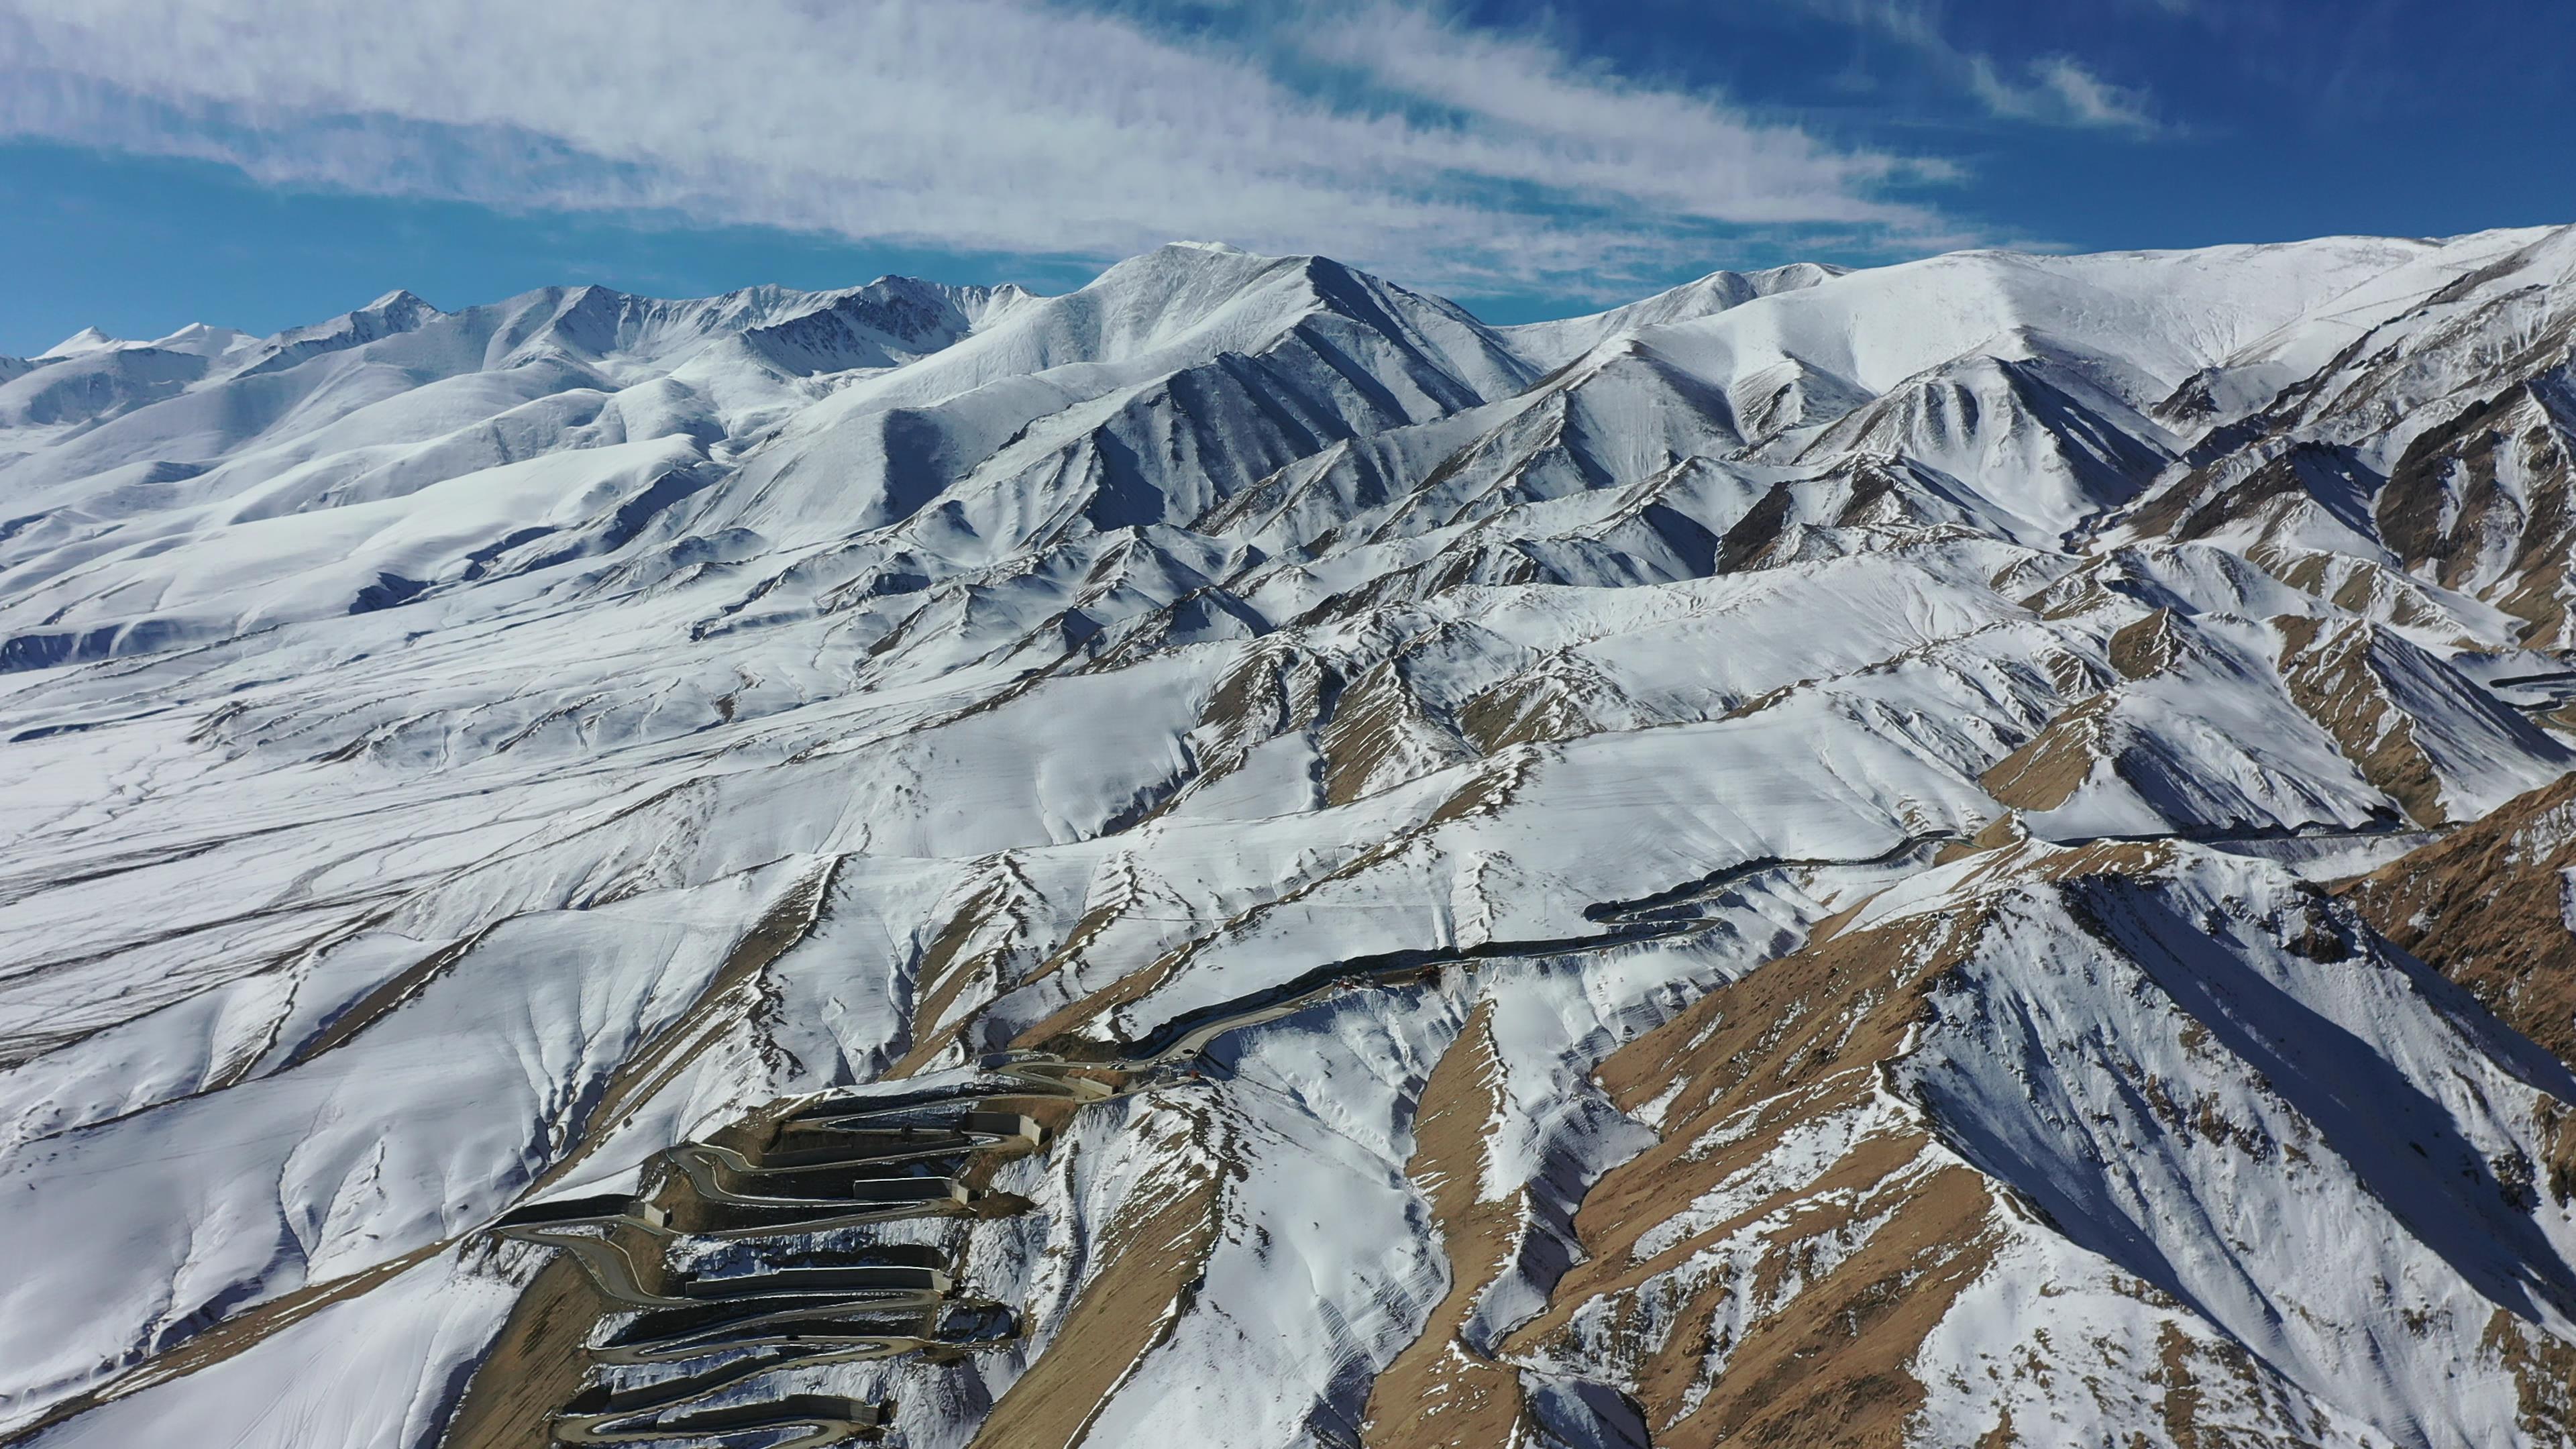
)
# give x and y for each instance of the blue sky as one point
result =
(259, 163)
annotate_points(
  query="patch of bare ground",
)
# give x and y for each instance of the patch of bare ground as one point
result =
(2148, 647)
(1276, 688)
(1441, 1391)
(951, 964)
(2068, 596)
(1809, 1341)
(2485, 905)
(1999, 833)
(1097, 917)
(2500, 473)
(2182, 1387)
(2331, 680)
(1145, 1277)
(1794, 1318)
(2183, 1368)
(2544, 1377)
(2215, 1395)
(534, 1365)
(2046, 772)
(1533, 708)
(1376, 737)
(2357, 586)
(735, 996)
(376, 1004)
(1062, 1031)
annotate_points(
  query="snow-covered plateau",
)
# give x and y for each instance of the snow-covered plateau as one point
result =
(1975, 853)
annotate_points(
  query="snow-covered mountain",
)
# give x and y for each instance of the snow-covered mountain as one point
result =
(1968, 853)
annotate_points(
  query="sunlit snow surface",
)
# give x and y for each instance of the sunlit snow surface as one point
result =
(407, 717)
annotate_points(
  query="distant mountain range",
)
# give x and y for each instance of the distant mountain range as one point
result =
(1973, 853)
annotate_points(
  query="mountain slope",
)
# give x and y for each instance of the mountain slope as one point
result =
(1747, 869)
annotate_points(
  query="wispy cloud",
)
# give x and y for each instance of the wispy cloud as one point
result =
(1471, 158)
(2058, 88)
(2051, 89)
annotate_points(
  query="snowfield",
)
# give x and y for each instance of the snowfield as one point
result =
(1766, 867)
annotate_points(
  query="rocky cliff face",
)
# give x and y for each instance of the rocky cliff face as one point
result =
(1960, 854)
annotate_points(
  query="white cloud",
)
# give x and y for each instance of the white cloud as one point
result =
(1536, 117)
(2060, 89)
(2051, 90)
(998, 125)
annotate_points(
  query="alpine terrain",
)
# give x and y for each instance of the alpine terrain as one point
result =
(1977, 853)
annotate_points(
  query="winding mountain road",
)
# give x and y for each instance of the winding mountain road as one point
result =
(829, 1163)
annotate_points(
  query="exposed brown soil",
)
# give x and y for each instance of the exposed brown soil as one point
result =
(2182, 1387)
(1440, 1391)
(732, 997)
(1366, 733)
(534, 1366)
(2078, 593)
(1096, 918)
(1805, 1332)
(2544, 1377)
(945, 971)
(2484, 905)
(537, 1362)
(2148, 647)
(1275, 689)
(2448, 493)
(2200, 504)
(2003, 831)
(2331, 679)
(2366, 588)
(1522, 711)
(376, 1004)
(1150, 1259)
(2046, 772)
(1060, 1031)
(1825, 1365)
(1753, 536)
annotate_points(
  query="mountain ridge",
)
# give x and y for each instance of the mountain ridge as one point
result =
(1710, 873)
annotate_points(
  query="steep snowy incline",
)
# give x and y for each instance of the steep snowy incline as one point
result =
(2149, 1086)
(1713, 873)
(2436, 439)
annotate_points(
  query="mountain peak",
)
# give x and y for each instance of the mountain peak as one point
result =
(88, 339)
